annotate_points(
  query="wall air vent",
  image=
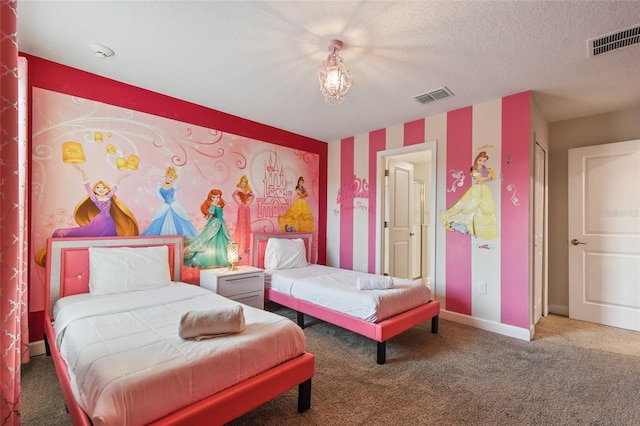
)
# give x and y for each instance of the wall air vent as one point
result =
(433, 95)
(619, 39)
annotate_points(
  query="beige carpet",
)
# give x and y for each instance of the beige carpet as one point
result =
(572, 373)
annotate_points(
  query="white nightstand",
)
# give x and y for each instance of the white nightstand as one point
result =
(245, 285)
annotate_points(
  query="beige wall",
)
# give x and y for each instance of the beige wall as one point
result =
(599, 129)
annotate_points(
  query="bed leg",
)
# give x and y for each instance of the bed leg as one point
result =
(300, 319)
(47, 349)
(304, 396)
(382, 352)
(434, 324)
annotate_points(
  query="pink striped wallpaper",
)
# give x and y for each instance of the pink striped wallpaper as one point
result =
(347, 246)
(508, 121)
(514, 269)
(377, 143)
(458, 260)
(414, 132)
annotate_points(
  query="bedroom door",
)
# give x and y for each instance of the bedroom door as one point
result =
(400, 218)
(604, 234)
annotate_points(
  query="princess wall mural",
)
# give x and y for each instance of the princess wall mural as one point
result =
(474, 213)
(209, 248)
(299, 217)
(102, 170)
(171, 218)
(243, 196)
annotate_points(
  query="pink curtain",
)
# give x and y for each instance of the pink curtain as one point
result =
(14, 339)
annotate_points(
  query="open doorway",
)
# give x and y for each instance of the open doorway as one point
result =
(406, 212)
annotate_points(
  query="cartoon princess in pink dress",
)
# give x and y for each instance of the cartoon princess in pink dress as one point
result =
(243, 196)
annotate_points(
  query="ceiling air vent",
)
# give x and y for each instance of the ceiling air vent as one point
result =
(433, 95)
(619, 39)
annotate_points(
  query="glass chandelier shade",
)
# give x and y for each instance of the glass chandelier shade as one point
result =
(334, 76)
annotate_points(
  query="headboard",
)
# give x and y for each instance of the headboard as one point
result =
(68, 261)
(259, 245)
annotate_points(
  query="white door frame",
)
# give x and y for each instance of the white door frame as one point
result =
(540, 268)
(380, 168)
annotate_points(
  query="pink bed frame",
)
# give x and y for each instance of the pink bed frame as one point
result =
(68, 273)
(380, 331)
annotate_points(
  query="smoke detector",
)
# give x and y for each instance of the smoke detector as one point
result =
(101, 51)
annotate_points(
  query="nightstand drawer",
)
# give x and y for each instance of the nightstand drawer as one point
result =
(244, 284)
(252, 299)
(240, 284)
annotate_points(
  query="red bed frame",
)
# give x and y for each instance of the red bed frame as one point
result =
(68, 273)
(380, 331)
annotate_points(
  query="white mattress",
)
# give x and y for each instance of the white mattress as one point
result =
(128, 366)
(336, 289)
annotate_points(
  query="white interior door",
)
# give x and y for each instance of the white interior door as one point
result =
(604, 234)
(400, 196)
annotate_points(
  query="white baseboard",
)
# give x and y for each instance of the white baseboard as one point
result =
(37, 348)
(559, 310)
(495, 327)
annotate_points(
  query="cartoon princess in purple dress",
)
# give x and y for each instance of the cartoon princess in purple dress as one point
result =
(99, 214)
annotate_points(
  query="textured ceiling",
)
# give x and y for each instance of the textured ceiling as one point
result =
(259, 59)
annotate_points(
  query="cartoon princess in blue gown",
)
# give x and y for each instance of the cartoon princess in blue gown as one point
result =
(171, 218)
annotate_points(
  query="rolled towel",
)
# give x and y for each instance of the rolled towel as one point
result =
(210, 323)
(374, 282)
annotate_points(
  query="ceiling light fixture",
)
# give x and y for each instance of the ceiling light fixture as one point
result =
(335, 77)
(101, 51)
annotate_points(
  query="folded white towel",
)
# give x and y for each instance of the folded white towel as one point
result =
(374, 282)
(205, 324)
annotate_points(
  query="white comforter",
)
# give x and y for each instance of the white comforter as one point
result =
(128, 366)
(336, 289)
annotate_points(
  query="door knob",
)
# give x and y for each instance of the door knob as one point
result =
(575, 242)
(411, 234)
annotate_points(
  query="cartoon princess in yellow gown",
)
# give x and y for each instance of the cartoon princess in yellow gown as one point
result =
(298, 218)
(474, 213)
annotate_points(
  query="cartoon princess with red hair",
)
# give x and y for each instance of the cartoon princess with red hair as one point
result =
(209, 248)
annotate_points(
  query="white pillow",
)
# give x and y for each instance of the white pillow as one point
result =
(284, 253)
(123, 269)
